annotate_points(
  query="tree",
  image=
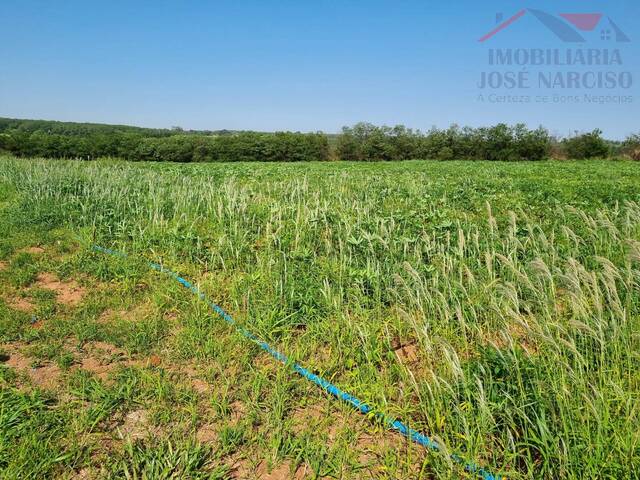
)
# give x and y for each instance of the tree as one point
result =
(586, 145)
(631, 146)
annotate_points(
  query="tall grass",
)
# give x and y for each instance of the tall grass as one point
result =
(516, 285)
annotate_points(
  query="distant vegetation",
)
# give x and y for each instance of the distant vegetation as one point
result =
(631, 147)
(588, 145)
(367, 142)
(39, 138)
(362, 142)
(245, 146)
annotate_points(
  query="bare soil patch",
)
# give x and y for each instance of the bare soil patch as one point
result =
(282, 472)
(207, 434)
(320, 419)
(245, 469)
(200, 386)
(265, 363)
(37, 325)
(306, 416)
(154, 360)
(107, 316)
(516, 333)
(238, 410)
(191, 373)
(97, 367)
(371, 447)
(407, 354)
(67, 292)
(44, 376)
(104, 349)
(21, 304)
(83, 474)
(137, 425)
(101, 358)
(33, 250)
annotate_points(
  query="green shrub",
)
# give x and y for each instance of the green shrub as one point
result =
(246, 146)
(631, 146)
(35, 138)
(587, 145)
(366, 142)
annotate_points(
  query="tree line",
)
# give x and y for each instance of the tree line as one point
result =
(366, 142)
(361, 142)
(50, 139)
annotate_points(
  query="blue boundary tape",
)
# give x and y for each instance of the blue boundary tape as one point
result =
(327, 386)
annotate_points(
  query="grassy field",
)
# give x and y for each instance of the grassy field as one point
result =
(493, 306)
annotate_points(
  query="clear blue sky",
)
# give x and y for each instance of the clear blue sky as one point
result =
(286, 65)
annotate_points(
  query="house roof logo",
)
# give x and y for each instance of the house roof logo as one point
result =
(566, 26)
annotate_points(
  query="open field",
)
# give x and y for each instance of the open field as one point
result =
(493, 306)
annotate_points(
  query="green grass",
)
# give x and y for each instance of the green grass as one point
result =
(493, 306)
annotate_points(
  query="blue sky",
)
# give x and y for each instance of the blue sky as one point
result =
(289, 65)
